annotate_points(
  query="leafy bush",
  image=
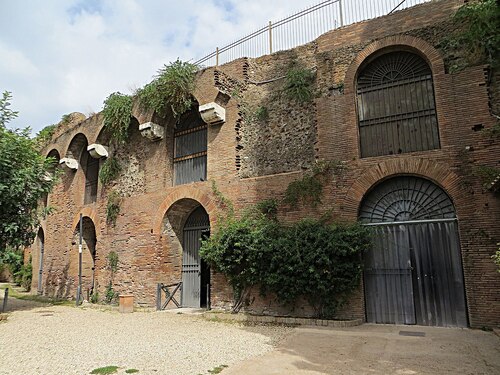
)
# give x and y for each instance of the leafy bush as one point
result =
(171, 88)
(298, 84)
(22, 273)
(117, 113)
(310, 259)
(110, 170)
(25, 275)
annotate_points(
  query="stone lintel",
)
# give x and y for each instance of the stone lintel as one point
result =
(69, 163)
(212, 113)
(152, 131)
(98, 151)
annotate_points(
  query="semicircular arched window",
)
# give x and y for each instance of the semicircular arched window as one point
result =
(396, 106)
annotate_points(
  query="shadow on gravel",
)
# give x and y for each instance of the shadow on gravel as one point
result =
(19, 299)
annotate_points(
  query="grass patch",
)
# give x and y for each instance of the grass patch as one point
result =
(217, 370)
(14, 293)
(105, 370)
(131, 371)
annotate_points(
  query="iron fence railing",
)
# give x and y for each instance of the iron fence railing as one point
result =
(303, 27)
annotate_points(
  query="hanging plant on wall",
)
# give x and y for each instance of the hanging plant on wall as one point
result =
(171, 88)
(117, 113)
(110, 170)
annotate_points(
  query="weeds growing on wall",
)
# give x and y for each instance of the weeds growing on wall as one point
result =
(113, 207)
(299, 84)
(110, 295)
(481, 37)
(44, 136)
(117, 113)
(310, 260)
(171, 89)
(486, 174)
(309, 189)
(109, 171)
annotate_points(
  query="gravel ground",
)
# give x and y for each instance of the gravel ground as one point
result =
(66, 340)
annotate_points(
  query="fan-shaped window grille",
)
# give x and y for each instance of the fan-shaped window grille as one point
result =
(197, 219)
(396, 107)
(406, 199)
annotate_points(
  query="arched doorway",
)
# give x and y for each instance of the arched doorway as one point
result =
(413, 273)
(89, 242)
(195, 273)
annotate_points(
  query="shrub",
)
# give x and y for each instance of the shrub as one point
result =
(171, 88)
(298, 84)
(310, 259)
(117, 113)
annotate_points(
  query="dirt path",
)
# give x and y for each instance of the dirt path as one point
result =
(379, 349)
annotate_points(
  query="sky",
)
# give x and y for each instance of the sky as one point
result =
(63, 56)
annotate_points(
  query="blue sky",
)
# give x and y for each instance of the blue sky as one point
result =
(61, 56)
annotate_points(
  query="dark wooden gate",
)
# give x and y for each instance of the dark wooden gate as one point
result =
(197, 225)
(413, 273)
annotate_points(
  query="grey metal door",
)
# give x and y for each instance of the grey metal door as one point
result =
(439, 286)
(196, 224)
(388, 277)
(413, 273)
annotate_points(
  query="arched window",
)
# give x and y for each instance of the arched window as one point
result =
(396, 106)
(190, 148)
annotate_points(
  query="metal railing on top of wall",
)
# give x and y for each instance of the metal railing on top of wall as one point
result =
(303, 27)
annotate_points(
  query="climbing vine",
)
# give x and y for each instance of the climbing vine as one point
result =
(171, 89)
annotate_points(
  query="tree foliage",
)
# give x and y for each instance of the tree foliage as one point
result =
(311, 259)
(23, 181)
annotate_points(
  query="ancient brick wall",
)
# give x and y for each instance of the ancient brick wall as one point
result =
(254, 159)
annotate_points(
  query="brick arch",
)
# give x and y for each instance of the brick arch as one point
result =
(419, 46)
(184, 192)
(439, 173)
(90, 213)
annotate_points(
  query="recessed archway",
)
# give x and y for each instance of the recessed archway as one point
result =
(185, 223)
(413, 273)
(89, 255)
